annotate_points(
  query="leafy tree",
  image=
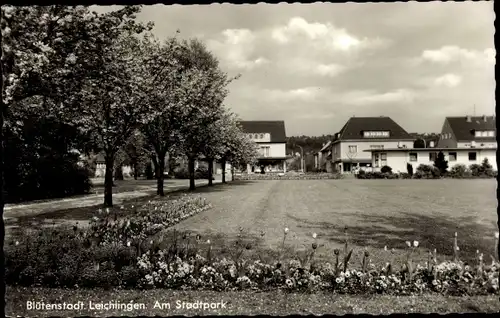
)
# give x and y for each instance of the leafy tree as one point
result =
(204, 88)
(409, 169)
(486, 168)
(50, 51)
(441, 163)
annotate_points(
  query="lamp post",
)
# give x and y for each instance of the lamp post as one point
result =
(301, 158)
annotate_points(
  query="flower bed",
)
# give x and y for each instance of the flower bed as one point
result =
(66, 258)
(281, 176)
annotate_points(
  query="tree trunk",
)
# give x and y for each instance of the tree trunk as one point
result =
(160, 175)
(136, 171)
(108, 180)
(191, 173)
(223, 166)
(232, 171)
(210, 162)
(2, 205)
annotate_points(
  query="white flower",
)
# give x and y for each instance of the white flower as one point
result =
(496, 235)
(385, 248)
(408, 243)
(338, 280)
(128, 243)
(151, 242)
(17, 243)
(208, 241)
(415, 243)
(286, 230)
(458, 248)
(122, 207)
(315, 235)
(107, 210)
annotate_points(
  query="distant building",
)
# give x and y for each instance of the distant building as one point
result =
(462, 132)
(464, 140)
(270, 136)
(348, 151)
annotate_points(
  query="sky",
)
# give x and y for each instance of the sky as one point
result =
(316, 65)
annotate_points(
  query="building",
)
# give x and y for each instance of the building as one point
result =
(321, 155)
(348, 150)
(270, 137)
(398, 159)
(467, 131)
(464, 140)
(100, 170)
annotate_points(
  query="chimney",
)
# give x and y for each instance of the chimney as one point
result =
(468, 119)
(431, 144)
(484, 118)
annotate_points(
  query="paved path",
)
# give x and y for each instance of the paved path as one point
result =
(20, 210)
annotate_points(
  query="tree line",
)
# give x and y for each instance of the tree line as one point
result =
(117, 88)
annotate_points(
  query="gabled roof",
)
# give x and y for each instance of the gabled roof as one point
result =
(325, 147)
(355, 126)
(464, 130)
(275, 128)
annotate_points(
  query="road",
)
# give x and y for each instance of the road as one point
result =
(125, 190)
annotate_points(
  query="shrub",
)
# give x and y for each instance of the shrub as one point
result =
(441, 163)
(459, 171)
(386, 169)
(427, 172)
(409, 168)
(484, 170)
(404, 175)
(181, 173)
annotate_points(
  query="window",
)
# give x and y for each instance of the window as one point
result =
(413, 156)
(452, 156)
(472, 156)
(256, 136)
(353, 149)
(264, 151)
(383, 159)
(261, 136)
(376, 156)
(376, 146)
(491, 133)
(376, 134)
(432, 156)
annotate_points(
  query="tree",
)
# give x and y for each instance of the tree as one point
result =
(441, 163)
(409, 169)
(111, 104)
(203, 90)
(163, 99)
(49, 51)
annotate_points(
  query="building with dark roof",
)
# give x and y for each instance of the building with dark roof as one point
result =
(347, 151)
(468, 131)
(270, 137)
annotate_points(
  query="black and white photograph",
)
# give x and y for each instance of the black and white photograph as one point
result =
(249, 159)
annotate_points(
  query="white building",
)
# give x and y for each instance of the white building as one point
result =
(398, 158)
(270, 136)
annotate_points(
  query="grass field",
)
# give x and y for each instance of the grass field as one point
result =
(377, 213)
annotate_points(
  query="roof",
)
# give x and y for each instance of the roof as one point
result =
(355, 126)
(325, 147)
(464, 130)
(275, 128)
(429, 149)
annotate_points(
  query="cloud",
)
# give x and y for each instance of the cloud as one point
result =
(370, 97)
(448, 80)
(305, 94)
(236, 48)
(321, 35)
(449, 54)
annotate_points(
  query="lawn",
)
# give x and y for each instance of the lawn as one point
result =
(377, 213)
(239, 303)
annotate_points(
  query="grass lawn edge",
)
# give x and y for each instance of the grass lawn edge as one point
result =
(237, 303)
